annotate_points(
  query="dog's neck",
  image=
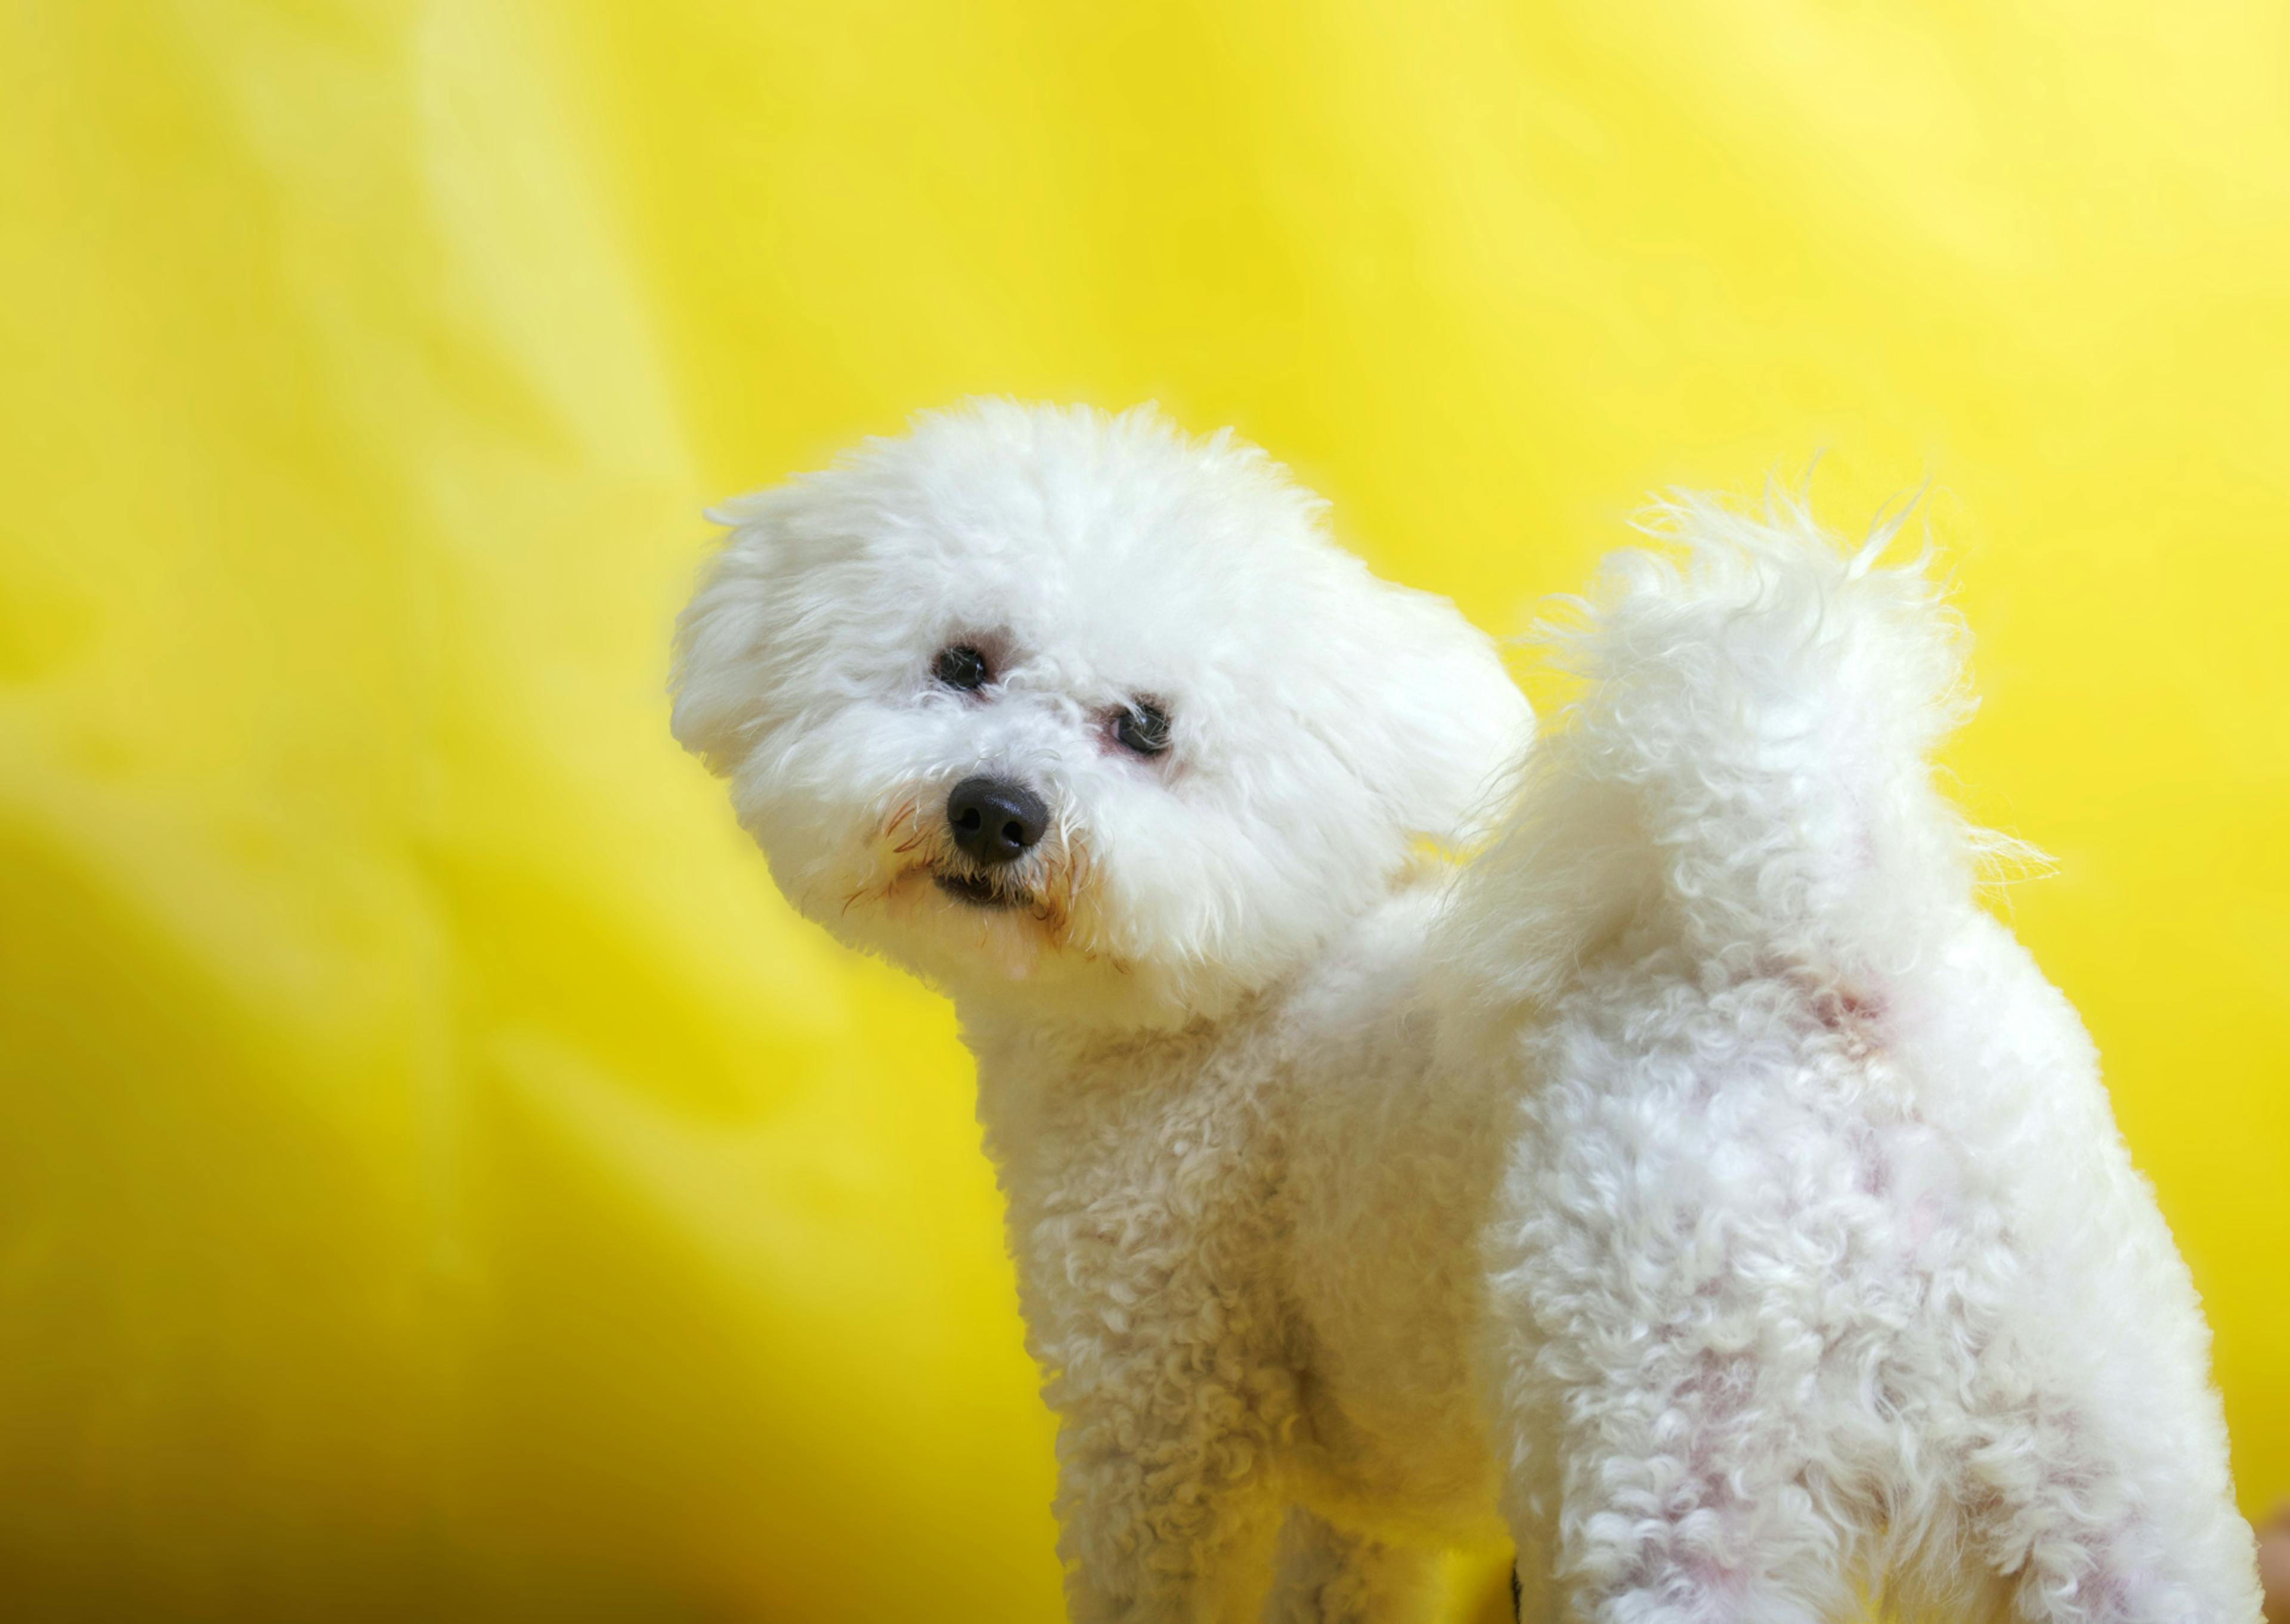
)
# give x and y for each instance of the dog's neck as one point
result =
(1048, 1092)
(1004, 1038)
(1362, 967)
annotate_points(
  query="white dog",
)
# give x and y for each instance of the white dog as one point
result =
(1694, 1186)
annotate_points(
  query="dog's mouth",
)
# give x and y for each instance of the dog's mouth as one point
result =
(979, 891)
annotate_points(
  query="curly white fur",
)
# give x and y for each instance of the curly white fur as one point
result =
(1695, 1185)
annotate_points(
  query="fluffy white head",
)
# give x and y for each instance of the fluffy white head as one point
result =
(988, 598)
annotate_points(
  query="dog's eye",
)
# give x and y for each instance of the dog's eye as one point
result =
(1143, 727)
(962, 667)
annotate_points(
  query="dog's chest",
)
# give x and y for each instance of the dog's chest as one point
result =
(1297, 1226)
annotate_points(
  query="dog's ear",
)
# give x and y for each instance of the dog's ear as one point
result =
(1435, 724)
(718, 676)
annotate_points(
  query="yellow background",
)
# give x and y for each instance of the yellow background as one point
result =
(438, 1177)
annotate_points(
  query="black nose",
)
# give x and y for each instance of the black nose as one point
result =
(994, 819)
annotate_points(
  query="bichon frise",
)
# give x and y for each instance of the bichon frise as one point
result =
(1694, 1185)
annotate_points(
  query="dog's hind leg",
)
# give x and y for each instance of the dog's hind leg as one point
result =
(1687, 1302)
(2081, 1435)
(1666, 1468)
(2089, 1518)
(1689, 1500)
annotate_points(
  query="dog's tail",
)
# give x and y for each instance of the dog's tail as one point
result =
(1746, 777)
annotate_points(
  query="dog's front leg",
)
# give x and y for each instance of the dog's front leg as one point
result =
(1169, 1412)
(1152, 1311)
(1166, 1508)
(1325, 1575)
(1161, 1548)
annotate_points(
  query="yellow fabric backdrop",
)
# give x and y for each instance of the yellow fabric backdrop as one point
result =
(438, 1178)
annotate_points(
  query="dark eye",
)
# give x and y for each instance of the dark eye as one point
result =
(1143, 727)
(962, 667)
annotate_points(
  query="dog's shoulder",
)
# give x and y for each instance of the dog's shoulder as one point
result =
(1369, 976)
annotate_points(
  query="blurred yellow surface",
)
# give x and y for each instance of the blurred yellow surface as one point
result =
(439, 1179)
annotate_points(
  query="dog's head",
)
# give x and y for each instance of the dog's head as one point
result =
(1054, 705)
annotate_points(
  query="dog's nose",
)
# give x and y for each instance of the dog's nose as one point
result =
(994, 819)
